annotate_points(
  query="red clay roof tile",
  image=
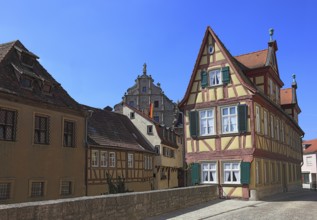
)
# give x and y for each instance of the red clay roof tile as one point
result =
(312, 148)
(254, 59)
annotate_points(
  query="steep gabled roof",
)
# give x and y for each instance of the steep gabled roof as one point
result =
(312, 148)
(286, 96)
(162, 131)
(231, 60)
(253, 60)
(114, 130)
(12, 69)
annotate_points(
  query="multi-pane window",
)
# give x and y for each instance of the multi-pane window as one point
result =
(144, 89)
(231, 172)
(215, 77)
(103, 158)
(277, 129)
(7, 124)
(156, 104)
(272, 127)
(277, 93)
(258, 119)
(273, 172)
(156, 118)
(283, 134)
(206, 122)
(5, 189)
(229, 119)
(94, 158)
(209, 172)
(278, 173)
(305, 178)
(37, 189)
(266, 173)
(130, 160)
(41, 131)
(69, 134)
(66, 188)
(265, 123)
(167, 152)
(309, 161)
(148, 160)
(112, 159)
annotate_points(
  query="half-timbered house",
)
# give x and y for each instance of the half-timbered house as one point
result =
(241, 129)
(168, 163)
(117, 152)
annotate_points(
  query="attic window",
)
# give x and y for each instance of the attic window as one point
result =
(149, 129)
(47, 88)
(132, 115)
(26, 82)
(27, 60)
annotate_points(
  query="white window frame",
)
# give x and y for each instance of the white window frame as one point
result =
(232, 170)
(277, 129)
(272, 126)
(95, 158)
(283, 134)
(271, 87)
(258, 119)
(112, 159)
(309, 161)
(265, 123)
(215, 77)
(277, 93)
(229, 116)
(130, 160)
(208, 170)
(37, 188)
(103, 158)
(5, 190)
(207, 121)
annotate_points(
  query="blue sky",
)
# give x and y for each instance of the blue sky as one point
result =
(96, 48)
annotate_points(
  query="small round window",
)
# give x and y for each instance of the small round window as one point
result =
(210, 49)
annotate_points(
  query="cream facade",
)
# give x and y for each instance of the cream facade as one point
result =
(238, 132)
(168, 163)
(42, 140)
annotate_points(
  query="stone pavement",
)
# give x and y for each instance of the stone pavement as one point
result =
(218, 207)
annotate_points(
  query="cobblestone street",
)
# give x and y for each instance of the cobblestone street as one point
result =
(291, 205)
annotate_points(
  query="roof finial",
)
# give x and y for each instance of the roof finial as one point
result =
(294, 83)
(144, 69)
(271, 31)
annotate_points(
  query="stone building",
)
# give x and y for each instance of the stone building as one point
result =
(144, 94)
(241, 129)
(42, 132)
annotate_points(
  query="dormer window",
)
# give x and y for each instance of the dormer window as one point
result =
(26, 82)
(27, 60)
(47, 88)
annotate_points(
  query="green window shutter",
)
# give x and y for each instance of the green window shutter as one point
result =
(195, 173)
(243, 118)
(193, 123)
(225, 75)
(204, 79)
(245, 173)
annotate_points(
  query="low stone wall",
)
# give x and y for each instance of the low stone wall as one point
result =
(119, 206)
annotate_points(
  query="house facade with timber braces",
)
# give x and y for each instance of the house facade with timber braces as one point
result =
(240, 127)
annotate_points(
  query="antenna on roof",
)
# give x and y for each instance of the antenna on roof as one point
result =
(271, 31)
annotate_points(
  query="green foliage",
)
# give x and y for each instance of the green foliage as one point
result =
(118, 187)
